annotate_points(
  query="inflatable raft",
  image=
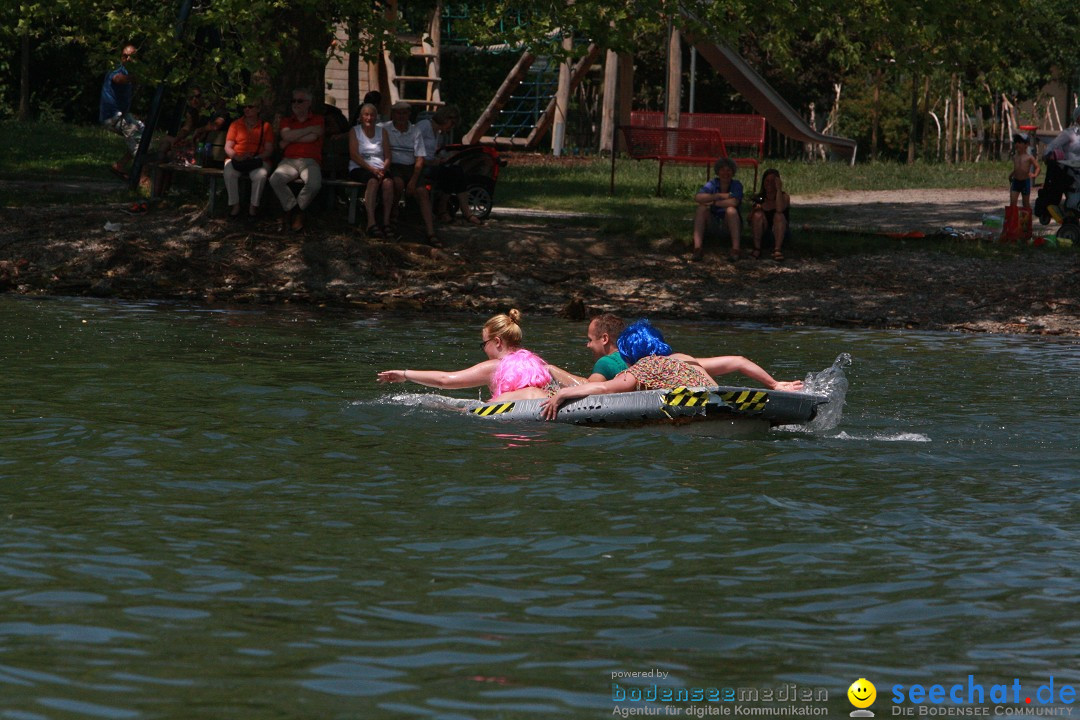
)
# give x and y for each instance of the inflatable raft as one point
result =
(675, 406)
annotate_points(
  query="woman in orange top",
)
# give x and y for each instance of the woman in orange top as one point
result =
(248, 138)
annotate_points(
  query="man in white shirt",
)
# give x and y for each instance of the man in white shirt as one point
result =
(406, 164)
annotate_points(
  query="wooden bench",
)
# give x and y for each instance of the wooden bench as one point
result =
(214, 176)
(744, 135)
(683, 146)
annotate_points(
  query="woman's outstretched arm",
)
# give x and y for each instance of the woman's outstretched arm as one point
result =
(724, 364)
(475, 376)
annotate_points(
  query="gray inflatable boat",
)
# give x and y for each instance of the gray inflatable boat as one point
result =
(675, 406)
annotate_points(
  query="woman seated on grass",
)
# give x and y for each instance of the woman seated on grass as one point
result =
(770, 215)
(653, 366)
(510, 372)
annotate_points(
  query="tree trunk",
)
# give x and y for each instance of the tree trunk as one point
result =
(626, 87)
(913, 118)
(302, 68)
(353, 69)
(673, 105)
(875, 115)
(24, 75)
(951, 120)
(925, 113)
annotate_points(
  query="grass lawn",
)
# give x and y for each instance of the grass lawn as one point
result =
(582, 185)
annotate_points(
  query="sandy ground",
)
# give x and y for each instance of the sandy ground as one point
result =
(547, 264)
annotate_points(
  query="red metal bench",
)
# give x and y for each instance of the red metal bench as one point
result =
(683, 146)
(744, 135)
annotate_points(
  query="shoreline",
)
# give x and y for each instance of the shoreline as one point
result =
(540, 264)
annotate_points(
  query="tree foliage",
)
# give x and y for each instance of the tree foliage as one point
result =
(244, 49)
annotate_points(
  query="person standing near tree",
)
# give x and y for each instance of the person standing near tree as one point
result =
(114, 109)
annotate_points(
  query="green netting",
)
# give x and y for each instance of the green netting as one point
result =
(523, 110)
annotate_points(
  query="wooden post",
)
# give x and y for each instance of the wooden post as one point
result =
(562, 102)
(674, 78)
(607, 112)
(434, 65)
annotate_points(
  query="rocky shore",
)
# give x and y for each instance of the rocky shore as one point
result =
(539, 264)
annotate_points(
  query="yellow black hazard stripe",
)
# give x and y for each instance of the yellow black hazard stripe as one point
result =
(496, 409)
(746, 400)
(684, 397)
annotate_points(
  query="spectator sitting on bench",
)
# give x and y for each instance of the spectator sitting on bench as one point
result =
(770, 214)
(407, 164)
(250, 139)
(301, 143)
(213, 131)
(718, 204)
(178, 146)
(446, 179)
(369, 157)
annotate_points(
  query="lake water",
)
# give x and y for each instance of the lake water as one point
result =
(218, 513)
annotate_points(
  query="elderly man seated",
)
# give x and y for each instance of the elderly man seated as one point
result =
(407, 158)
(301, 142)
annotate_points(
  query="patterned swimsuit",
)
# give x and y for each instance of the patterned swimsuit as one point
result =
(656, 372)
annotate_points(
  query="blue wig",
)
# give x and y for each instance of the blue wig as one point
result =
(641, 339)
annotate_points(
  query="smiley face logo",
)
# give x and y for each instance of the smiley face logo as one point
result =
(862, 693)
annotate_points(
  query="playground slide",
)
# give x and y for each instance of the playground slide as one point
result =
(765, 100)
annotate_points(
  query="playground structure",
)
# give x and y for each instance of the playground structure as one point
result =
(534, 98)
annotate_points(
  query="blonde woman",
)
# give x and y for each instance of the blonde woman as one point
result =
(500, 340)
(369, 159)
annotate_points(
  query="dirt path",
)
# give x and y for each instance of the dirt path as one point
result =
(551, 266)
(926, 211)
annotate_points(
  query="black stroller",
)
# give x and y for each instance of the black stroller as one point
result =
(477, 170)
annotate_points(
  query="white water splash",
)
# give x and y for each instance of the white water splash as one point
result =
(833, 384)
(881, 437)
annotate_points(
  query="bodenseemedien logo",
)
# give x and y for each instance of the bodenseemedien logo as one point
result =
(862, 694)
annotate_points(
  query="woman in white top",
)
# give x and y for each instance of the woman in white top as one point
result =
(369, 157)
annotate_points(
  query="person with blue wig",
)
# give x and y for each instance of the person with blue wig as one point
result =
(652, 365)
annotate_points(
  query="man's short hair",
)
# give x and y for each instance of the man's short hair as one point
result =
(724, 162)
(305, 92)
(609, 323)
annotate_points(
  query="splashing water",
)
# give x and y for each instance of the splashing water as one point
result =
(833, 384)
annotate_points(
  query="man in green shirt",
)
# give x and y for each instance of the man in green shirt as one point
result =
(603, 332)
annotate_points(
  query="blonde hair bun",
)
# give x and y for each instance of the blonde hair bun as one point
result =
(514, 315)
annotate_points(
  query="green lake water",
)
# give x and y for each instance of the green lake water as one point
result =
(210, 513)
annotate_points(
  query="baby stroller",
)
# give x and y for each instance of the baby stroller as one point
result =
(479, 167)
(1059, 199)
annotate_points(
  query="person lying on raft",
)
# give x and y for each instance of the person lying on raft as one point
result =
(511, 372)
(653, 366)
